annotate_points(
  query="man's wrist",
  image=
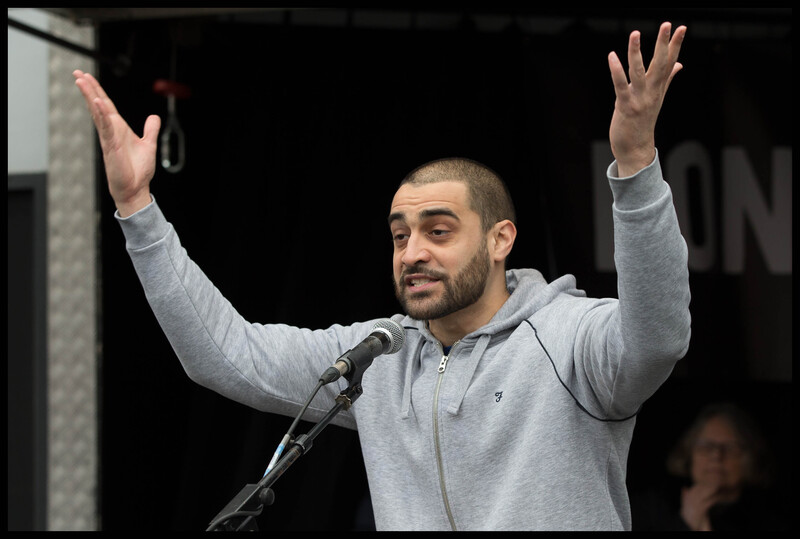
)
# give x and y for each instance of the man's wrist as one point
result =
(131, 206)
(629, 165)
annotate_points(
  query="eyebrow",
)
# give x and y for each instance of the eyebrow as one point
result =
(424, 214)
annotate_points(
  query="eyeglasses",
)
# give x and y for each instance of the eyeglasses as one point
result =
(707, 448)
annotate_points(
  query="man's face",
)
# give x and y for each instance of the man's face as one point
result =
(440, 263)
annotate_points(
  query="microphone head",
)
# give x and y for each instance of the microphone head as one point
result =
(395, 333)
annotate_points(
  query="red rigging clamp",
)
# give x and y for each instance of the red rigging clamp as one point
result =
(169, 88)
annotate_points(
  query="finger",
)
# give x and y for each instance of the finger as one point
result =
(102, 121)
(665, 59)
(661, 52)
(86, 90)
(677, 67)
(95, 84)
(636, 70)
(98, 90)
(618, 77)
(92, 89)
(675, 45)
(95, 111)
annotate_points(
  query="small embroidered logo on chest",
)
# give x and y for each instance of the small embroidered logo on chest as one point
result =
(498, 396)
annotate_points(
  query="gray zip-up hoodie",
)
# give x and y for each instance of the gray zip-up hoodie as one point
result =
(525, 425)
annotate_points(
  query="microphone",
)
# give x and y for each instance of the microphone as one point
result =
(387, 337)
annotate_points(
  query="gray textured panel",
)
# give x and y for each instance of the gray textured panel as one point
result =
(72, 292)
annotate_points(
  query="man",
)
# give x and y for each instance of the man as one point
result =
(511, 405)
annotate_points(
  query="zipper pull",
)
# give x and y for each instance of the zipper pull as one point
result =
(442, 364)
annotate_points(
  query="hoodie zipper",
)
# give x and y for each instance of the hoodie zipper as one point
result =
(442, 366)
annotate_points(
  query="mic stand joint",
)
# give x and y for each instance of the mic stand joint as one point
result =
(240, 513)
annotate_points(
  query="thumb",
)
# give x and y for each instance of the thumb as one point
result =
(678, 66)
(151, 127)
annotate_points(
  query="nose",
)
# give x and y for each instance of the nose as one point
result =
(415, 251)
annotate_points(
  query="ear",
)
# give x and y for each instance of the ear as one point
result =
(501, 240)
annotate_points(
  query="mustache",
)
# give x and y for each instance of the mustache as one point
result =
(422, 270)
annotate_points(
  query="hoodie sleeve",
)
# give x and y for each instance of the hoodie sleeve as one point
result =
(650, 328)
(268, 367)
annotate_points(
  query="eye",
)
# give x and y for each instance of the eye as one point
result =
(439, 232)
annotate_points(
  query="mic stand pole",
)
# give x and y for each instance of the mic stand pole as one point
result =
(240, 513)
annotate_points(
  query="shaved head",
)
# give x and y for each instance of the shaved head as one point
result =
(488, 194)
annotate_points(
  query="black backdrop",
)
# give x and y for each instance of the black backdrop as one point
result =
(296, 139)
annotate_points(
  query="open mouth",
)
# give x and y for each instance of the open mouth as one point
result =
(418, 283)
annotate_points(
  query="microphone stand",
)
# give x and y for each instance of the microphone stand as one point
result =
(240, 513)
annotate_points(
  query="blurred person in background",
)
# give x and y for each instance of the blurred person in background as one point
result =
(721, 474)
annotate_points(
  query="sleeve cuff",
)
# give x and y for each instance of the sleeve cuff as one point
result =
(638, 190)
(145, 227)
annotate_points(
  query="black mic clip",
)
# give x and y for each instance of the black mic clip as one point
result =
(347, 397)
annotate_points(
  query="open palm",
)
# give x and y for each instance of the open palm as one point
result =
(129, 160)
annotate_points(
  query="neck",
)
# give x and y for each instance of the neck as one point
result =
(453, 327)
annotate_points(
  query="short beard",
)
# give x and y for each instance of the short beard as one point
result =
(461, 291)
